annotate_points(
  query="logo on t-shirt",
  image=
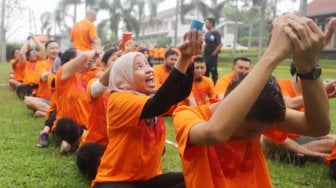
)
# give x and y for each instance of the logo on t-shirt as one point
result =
(212, 37)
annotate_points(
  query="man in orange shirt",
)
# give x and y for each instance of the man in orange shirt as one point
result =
(239, 65)
(18, 69)
(32, 60)
(40, 104)
(203, 88)
(219, 143)
(83, 34)
(162, 71)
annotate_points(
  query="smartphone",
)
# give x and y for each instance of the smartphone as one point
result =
(126, 37)
(196, 24)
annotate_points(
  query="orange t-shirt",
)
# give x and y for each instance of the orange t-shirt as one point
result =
(222, 84)
(32, 72)
(135, 145)
(332, 156)
(161, 73)
(162, 52)
(156, 53)
(288, 91)
(18, 69)
(96, 127)
(43, 90)
(232, 164)
(51, 87)
(72, 101)
(81, 35)
(201, 91)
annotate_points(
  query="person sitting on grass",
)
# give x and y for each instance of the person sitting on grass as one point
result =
(16, 79)
(203, 89)
(94, 141)
(239, 65)
(219, 143)
(135, 121)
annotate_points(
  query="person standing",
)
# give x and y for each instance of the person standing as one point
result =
(83, 34)
(212, 48)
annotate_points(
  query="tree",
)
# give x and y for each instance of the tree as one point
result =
(11, 16)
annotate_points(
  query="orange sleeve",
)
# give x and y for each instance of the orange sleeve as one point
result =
(184, 118)
(222, 84)
(332, 156)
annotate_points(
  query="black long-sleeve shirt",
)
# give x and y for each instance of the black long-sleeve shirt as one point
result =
(175, 88)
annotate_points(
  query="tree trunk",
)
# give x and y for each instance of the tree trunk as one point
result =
(176, 22)
(3, 33)
(250, 34)
(261, 28)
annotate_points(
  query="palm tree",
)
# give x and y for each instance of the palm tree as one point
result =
(115, 10)
(153, 7)
(65, 4)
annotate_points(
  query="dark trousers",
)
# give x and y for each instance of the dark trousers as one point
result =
(211, 67)
(168, 180)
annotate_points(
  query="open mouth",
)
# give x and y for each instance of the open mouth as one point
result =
(150, 81)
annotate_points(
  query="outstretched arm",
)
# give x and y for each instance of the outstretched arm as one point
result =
(308, 42)
(224, 120)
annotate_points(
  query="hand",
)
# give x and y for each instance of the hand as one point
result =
(129, 46)
(192, 44)
(330, 31)
(98, 46)
(331, 89)
(280, 45)
(308, 41)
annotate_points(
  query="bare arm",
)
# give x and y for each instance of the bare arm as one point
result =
(294, 102)
(23, 51)
(315, 120)
(218, 49)
(40, 46)
(76, 64)
(224, 119)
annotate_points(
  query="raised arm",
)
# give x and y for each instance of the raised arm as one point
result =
(308, 42)
(77, 64)
(41, 49)
(23, 51)
(228, 113)
(330, 30)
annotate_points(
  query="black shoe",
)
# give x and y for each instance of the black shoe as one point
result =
(43, 140)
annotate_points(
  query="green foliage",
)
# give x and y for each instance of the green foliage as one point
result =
(163, 41)
(22, 164)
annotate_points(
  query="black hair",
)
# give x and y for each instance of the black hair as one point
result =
(68, 55)
(235, 60)
(13, 52)
(108, 54)
(269, 106)
(68, 130)
(212, 21)
(293, 69)
(88, 159)
(49, 42)
(28, 52)
(170, 52)
(199, 59)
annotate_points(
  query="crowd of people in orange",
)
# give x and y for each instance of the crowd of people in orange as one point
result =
(108, 106)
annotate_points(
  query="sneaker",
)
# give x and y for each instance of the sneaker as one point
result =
(43, 140)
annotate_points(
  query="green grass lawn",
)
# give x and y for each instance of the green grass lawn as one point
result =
(22, 164)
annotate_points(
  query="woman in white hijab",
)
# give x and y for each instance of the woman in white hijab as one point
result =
(135, 125)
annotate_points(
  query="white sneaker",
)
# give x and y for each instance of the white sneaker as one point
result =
(65, 147)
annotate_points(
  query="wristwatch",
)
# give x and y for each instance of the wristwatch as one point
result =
(312, 75)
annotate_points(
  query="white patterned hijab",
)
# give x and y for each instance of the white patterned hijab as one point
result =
(121, 74)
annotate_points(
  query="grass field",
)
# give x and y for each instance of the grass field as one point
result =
(22, 164)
